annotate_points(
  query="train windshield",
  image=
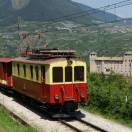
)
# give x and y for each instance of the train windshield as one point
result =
(78, 73)
(68, 74)
(57, 74)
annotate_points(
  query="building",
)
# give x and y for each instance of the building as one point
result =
(120, 65)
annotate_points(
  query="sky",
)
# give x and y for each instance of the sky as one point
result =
(125, 12)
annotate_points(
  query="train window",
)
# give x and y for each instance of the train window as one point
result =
(79, 73)
(4, 67)
(18, 69)
(24, 70)
(43, 72)
(37, 72)
(68, 74)
(57, 74)
(31, 71)
(9, 69)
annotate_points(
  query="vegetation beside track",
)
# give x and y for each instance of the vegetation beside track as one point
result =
(8, 124)
(110, 96)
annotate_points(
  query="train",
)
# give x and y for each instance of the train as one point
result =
(55, 78)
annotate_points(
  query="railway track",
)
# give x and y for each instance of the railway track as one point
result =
(74, 125)
(86, 126)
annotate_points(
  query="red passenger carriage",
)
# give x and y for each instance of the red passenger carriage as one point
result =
(6, 72)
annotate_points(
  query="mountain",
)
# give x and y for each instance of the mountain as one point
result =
(44, 10)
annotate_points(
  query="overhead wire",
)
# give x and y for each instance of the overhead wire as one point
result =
(85, 12)
(90, 12)
(107, 7)
(93, 11)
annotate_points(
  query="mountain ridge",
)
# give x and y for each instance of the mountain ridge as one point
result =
(41, 10)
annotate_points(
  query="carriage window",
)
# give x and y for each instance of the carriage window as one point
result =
(57, 74)
(9, 69)
(68, 74)
(18, 69)
(24, 70)
(4, 67)
(79, 73)
(31, 71)
(43, 72)
(37, 72)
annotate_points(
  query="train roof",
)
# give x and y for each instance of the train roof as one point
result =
(49, 54)
(36, 61)
(5, 60)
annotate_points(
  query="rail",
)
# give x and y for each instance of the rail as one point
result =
(74, 128)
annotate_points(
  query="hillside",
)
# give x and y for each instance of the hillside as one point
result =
(43, 10)
(105, 40)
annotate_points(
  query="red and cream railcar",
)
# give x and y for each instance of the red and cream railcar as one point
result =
(56, 81)
(6, 73)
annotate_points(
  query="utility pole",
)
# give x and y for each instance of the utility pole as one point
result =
(19, 21)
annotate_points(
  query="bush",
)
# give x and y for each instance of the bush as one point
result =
(110, 94)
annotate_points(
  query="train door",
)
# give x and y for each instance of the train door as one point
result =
(9, 74)
(44, 92)
(78, 79)
(4, 71)
(68, 84)
(1, 72)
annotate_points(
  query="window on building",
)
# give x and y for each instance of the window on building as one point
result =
(37, 72)
(57, 74)
(31, 71)
(79, 73)
(107, 70)
(24, 70)
(68, 74)
(43, 72)
(18, 69)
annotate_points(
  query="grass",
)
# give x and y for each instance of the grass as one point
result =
(8, 124)
(117, 119)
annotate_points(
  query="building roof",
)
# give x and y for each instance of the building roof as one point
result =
(110, 58)
(128, 53)
(94, 53)
(5, 60)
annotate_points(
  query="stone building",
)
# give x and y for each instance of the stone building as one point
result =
(120, 65)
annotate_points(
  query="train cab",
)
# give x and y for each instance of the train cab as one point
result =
(68, 81)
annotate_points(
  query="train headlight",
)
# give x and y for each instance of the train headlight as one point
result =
(56, 97)
(82, 95)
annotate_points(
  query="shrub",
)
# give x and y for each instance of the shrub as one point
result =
(111, 94)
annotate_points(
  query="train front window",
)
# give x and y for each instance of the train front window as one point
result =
(68, 74)
(78, 73)
(57, 74)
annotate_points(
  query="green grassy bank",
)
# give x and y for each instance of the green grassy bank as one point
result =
(7, 124)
